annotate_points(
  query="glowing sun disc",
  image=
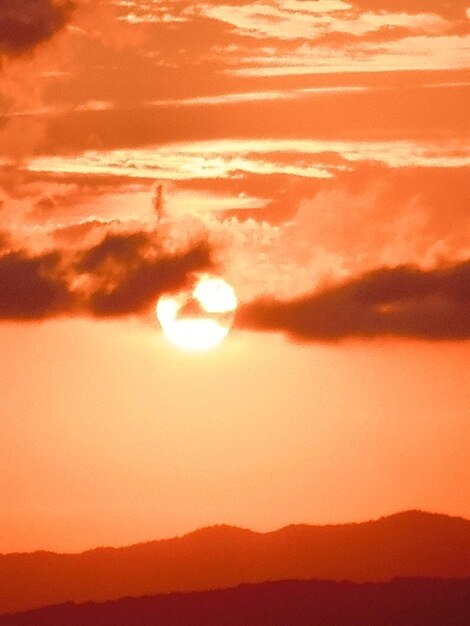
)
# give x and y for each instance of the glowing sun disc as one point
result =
(200, 318)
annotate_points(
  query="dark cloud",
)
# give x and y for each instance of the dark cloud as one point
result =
(24, 24)
(121, 275)
(130, 275)
(31, 288)
(402, 301)
(116, 248)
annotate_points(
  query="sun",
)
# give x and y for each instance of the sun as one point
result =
(200, 318)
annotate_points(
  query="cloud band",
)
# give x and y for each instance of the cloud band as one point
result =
(404, 301)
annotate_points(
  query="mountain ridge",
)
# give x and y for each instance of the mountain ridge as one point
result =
(409, 543)
(405, 514)
(414, 601)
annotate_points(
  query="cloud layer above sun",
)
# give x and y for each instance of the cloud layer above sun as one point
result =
(315, 147)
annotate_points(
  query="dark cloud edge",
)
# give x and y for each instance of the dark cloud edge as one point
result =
(121, 275)
(26, 24)
(402, 301)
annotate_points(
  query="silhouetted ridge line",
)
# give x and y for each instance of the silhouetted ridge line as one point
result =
(409, 544)
(401, 602)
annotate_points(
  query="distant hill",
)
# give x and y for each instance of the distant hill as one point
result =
(401, 602)
(410, 544)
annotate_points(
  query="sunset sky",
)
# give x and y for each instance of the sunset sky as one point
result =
(314, 153)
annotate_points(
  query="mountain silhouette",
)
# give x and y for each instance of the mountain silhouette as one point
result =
(401, 602)
(409, 544)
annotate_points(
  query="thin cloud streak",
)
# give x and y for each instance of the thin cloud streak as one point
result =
(224, 158)
(445, 52)
(254, 96)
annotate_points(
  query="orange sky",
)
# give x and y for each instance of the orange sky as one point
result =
(316, 153)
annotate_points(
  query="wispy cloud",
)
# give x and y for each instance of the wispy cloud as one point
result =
(255, 96)
(408, 53)
(299, 20)
(288, 37)
(214, 159)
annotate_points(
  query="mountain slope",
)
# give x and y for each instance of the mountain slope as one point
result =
(410, 602)
(411, 544)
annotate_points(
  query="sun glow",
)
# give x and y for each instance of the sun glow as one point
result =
(200, 318)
